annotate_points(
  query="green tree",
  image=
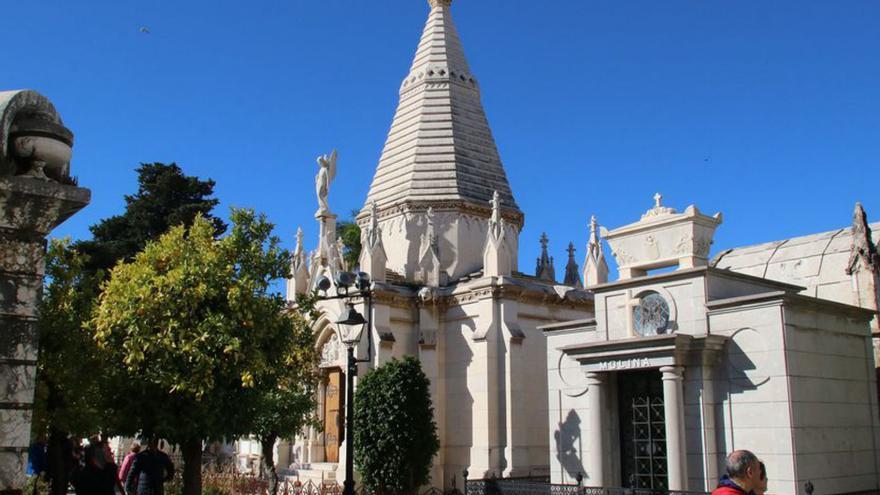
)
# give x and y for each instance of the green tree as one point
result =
(395, 436)
(284, 401)
(69, 368)
(350, 234)
(193, 325)
(165, 198)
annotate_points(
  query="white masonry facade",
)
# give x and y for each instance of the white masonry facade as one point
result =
(644, 381)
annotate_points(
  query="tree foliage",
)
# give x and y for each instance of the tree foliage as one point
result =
(69, 367)
(194, 327)
(395, 436)
(165, 198)
(350, 234)
(283, 402)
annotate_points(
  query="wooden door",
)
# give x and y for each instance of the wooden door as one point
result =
(332, 415)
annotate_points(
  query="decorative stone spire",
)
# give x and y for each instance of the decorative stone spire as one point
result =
(439, 153)
(572, 277)
(595, 267)
(544, 269)
(299, 270)
(497, 254)
(373, 259)
(429, 259)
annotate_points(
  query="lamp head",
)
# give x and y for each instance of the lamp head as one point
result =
(351, 324)
(362, 281)
(323, 283)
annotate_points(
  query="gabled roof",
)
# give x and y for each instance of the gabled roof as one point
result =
(440, 147)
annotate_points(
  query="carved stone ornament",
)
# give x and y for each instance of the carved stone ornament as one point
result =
(331, 352)
(33, 141)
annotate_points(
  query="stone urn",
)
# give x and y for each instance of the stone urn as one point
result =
(42, 149)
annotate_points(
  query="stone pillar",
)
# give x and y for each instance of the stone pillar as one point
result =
(596, 429)
(673, 400)
(710, 444)
(36, 195)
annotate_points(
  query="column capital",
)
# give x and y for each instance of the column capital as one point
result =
(595, 378)
(672, 372)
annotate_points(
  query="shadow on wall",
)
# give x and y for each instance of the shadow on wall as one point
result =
(568, 445)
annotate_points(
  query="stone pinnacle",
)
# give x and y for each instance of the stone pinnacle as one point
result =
(439, 3)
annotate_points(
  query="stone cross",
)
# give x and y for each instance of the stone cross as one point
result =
(657, 198)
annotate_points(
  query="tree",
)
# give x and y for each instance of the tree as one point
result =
(193, 325)
(72, 380)
(284, 401)
(69, 367)
(350, 234)
(395, 436)
(165, 198)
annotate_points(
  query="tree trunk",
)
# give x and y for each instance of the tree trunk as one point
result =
(192, 466)
(56, 465)
(267, 443)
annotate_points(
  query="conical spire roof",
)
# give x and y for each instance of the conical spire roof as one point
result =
(440, 147)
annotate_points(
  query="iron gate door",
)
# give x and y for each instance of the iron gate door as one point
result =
(642, 430)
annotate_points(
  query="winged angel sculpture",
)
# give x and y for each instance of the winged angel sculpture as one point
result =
(326, 173)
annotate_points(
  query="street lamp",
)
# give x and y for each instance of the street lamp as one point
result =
(351, 326)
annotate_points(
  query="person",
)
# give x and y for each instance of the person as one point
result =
(129, 458)
(761, 489)
(150, 470)
(36, 465)
(88, 479)
(743, 474)
(109, 476)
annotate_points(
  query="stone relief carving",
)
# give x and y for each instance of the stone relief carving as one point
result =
(701, 246)
(683, 246)
(331, 352)
(653, 249)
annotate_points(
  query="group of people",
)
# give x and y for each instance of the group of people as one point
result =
(746, 475)
(92, 470)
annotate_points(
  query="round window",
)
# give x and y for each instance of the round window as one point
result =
(651, 316)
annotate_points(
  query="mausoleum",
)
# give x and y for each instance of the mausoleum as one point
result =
(647, 380)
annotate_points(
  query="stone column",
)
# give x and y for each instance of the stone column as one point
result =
(36, 195)
(595, 429)
(673, 400)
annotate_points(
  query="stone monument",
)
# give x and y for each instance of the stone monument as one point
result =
(36, 195)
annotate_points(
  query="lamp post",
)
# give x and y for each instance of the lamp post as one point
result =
(351, 326)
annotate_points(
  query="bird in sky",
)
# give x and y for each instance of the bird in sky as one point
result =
(144, 29)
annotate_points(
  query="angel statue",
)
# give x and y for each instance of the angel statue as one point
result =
(326, 173)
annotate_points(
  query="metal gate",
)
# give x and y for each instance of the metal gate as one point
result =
(642, 430)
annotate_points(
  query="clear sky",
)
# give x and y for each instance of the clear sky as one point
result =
(766, 111)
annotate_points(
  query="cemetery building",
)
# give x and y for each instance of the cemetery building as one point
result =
(649, 379)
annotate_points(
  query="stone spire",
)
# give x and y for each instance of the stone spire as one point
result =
(373, 257)
(544, 269)
(299, 271)
(595, 267)
(439, 153)
(572, 277)
(497, 259)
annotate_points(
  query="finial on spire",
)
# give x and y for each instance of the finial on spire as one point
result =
(572, 277)
(594, 225)
(544, 268)
(439, 3)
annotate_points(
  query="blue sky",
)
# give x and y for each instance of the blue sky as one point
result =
(766, 111)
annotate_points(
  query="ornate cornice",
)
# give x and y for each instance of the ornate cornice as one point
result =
(409, 207)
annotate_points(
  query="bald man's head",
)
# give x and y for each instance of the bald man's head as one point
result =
(744, 468)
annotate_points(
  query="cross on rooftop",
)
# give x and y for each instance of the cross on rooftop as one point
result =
(657, 198)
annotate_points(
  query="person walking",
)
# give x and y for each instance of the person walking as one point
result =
(149, 471)
(743, 474)
(129, 458)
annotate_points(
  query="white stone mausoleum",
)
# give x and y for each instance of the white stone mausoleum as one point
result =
(647, 380)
